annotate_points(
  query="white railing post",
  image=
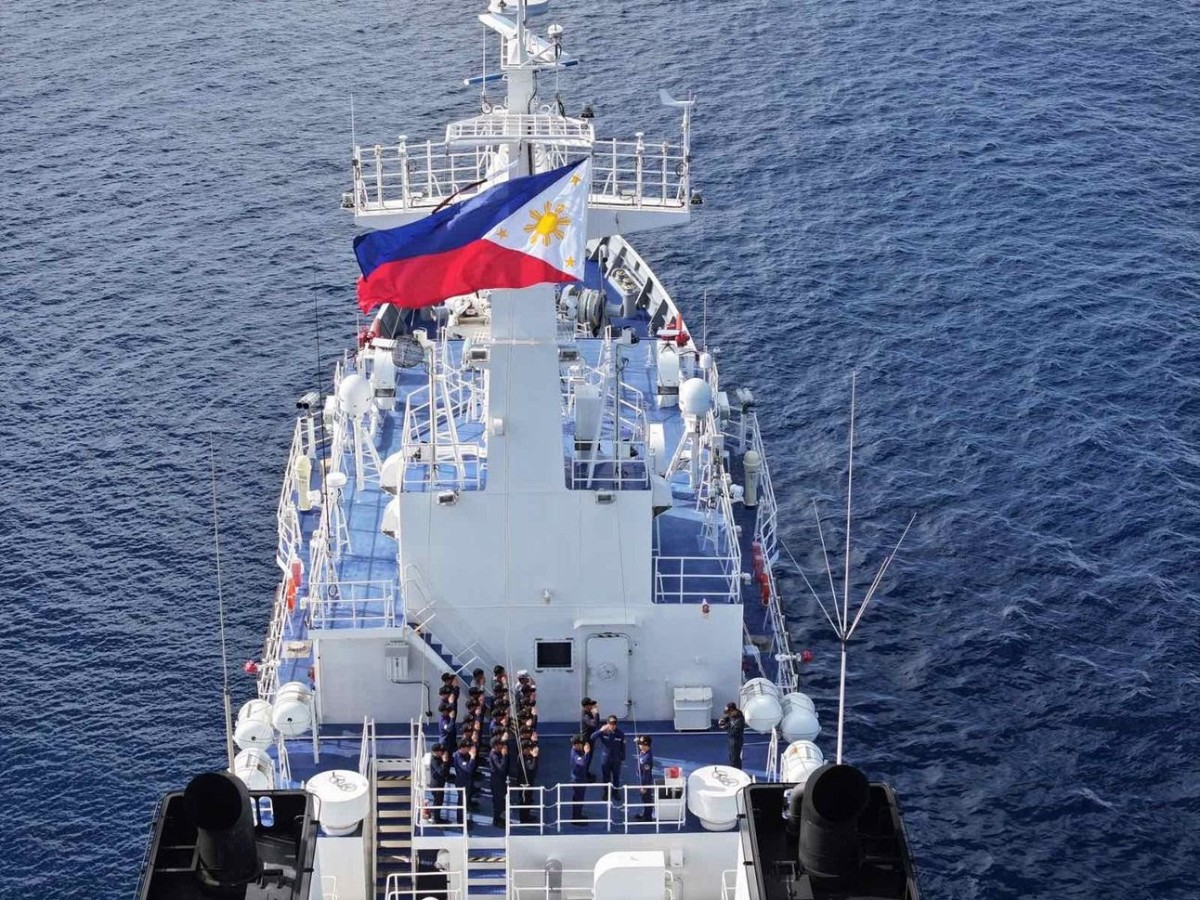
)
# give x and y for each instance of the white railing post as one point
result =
(402, 154)
(640, 153)
(379, 174)
(664, 173)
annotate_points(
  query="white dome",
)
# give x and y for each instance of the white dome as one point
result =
(712, 795)
(354, 395)
(695, 397)
(342, 799)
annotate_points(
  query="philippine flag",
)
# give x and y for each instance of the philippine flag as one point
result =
(519, 233)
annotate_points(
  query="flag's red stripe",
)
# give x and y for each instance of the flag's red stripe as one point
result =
(479, 265)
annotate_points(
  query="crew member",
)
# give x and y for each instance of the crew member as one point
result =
(581, 776)
(439, 774)
(611, 740)
(645, 766)
(498, 763)
(734, 724)
(464, 776)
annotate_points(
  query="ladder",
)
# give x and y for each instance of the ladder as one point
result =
(487, 867)
(393, 842)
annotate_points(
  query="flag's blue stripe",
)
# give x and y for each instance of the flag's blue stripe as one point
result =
(456, 225)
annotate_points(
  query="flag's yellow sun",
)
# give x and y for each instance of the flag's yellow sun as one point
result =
(548, 223)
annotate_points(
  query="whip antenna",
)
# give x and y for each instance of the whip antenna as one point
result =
(212, 456)
(844, 628)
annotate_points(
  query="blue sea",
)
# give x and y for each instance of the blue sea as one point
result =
(988, 209)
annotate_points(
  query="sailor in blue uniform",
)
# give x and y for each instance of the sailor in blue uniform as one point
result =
(645, 767)
(448, 727)
(589, 721)
(439, 774)
(611, 741)
(581, 764)
(464, 773)
(734, 724)
(498, 777)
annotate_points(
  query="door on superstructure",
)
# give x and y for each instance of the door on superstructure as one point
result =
(606, 677)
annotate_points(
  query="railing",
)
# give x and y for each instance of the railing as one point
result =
(729, 884)
(354, 604)
(285, 763)
(458, 640)
(268, 671)
(765, 534)
(567, 884)
(692, 579)
(434, 453)
(290, 543)
(660, 802)
(420, 176)
(395, 890)
(773, 756)
(768, 512)
(431, 802)
(535, 884)
(368, 747)
(537, 808)
(505, 127)
(592, 809)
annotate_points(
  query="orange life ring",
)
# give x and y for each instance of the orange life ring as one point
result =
(292, 582)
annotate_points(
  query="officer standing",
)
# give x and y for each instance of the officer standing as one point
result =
(439, 774)
(611, 740)
(734, 724)
(589, 721)
(581, 764)
(645, 766)
(464, 775)
(527, 776)
(498, 763)
(448, 727)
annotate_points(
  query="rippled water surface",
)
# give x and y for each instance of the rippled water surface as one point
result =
(988, 209)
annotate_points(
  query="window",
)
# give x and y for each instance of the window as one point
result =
(554, 654)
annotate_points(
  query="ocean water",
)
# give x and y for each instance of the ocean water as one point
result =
(988, 210)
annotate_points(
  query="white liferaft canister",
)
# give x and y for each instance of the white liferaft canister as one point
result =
(293, 709)
(712, 795)
(342, 800)
(255, 768)
(798, 761)
(253, 728)
(799, 722)
(760, 704)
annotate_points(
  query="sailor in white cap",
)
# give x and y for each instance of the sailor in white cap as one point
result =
(524, 679)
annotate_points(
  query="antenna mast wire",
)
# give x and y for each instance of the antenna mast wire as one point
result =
(212, 455)
(844, 635)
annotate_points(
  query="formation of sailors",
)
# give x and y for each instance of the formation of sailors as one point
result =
(497, 740)
(492, 738)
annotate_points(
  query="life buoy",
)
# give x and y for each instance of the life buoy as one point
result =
(756, 555)
(292, 582)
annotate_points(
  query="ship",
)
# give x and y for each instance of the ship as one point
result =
(528, 640)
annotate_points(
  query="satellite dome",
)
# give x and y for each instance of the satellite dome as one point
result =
(354, 395)
(695, 397)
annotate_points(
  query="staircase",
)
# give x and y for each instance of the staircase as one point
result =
(487, 865)
(394, 812)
